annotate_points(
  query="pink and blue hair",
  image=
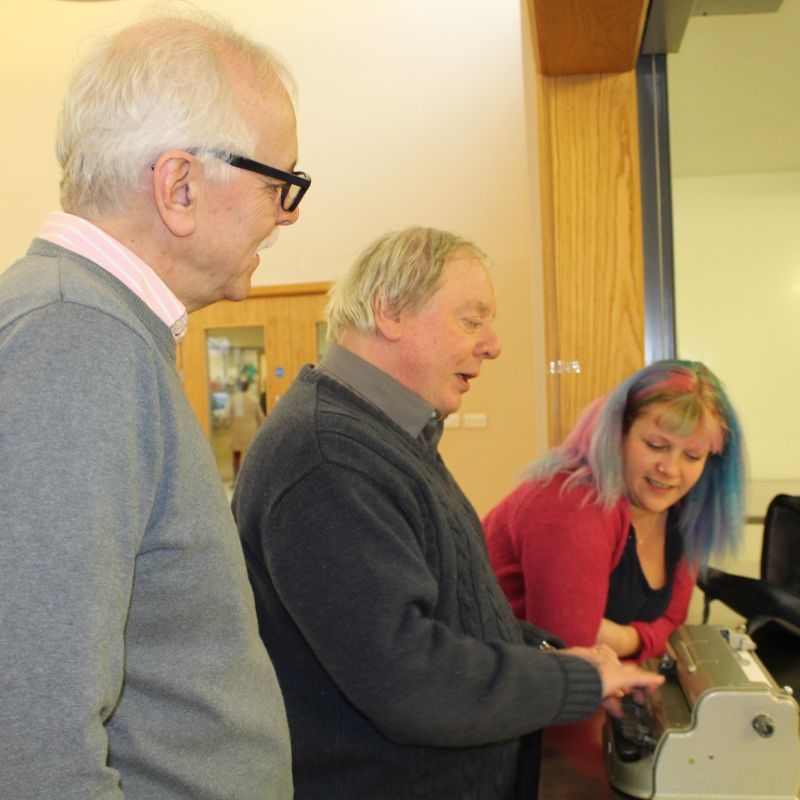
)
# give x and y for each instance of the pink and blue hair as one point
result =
(711, 516)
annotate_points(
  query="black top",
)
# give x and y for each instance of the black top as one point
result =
(630, 597)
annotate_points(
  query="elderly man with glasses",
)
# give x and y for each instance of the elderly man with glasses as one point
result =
(130, 663)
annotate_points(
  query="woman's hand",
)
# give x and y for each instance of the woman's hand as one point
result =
(622, 639)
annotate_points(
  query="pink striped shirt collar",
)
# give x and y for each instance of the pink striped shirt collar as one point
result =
(87, 240)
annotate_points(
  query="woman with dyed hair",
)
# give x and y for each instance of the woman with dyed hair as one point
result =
(601, 543)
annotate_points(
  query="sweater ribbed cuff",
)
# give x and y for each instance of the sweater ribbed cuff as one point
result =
(585, 689)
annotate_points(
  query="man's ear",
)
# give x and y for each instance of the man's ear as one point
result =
(388, 321)
(175, 176)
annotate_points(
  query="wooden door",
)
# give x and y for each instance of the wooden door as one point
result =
(290, 322)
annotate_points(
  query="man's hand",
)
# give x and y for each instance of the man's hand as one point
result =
(618, 678)
(626, 679)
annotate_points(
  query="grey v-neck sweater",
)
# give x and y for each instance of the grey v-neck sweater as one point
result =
(130, 663)
(403, 670)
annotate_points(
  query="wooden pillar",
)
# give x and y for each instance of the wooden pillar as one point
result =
(586, 52)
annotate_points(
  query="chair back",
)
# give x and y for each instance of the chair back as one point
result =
(780, 551)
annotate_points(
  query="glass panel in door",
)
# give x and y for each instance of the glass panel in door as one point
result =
(236, 393)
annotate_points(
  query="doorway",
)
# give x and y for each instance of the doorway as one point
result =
(238, 359)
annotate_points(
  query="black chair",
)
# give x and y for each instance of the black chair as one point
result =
(775, 597)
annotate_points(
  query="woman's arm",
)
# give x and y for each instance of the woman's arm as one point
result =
(644, 640)
(558, 553)
(624, 640)
(653, 635)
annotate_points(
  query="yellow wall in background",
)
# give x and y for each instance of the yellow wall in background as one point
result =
(737, 288)
(737, 247)
(411, 113)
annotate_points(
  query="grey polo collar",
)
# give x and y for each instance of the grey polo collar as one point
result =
(399, 403)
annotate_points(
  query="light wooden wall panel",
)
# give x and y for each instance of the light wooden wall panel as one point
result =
(582, 37)
(593, 262)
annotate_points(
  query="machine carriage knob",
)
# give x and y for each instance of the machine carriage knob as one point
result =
(764, 725)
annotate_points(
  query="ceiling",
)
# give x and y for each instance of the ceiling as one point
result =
(734, 94)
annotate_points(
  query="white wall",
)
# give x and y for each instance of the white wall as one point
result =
(408, 113)
(737, 255)
(737, 250)
(734, 122)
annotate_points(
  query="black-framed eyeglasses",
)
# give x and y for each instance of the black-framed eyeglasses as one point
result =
(295, 184)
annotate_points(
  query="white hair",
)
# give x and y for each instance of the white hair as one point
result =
(159, 84)
(401, 269)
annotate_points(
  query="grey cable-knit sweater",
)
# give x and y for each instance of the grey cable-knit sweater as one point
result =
(130, 663)
(403, 670)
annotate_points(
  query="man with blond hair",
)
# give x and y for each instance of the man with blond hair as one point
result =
(404, 672)
(130, 664)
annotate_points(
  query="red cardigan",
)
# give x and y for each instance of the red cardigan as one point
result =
(554, 555)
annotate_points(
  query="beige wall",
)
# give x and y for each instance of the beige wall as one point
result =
(734, 121)
(737, 288)
(410, 112)
(737, 241)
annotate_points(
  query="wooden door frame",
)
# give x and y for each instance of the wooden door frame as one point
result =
(195, 382)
